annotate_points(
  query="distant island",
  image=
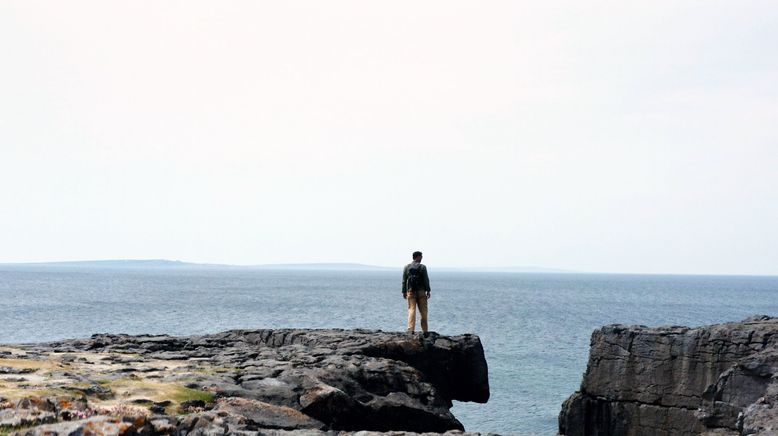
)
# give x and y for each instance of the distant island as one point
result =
(164, 263)
(327, 266)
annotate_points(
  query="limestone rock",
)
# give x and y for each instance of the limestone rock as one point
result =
(264, 415)
(98, 425)
(719, 379)
(279, 380)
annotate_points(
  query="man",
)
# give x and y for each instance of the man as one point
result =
(416, 289)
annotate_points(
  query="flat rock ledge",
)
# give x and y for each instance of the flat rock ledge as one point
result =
(270, 382)
(715, 380)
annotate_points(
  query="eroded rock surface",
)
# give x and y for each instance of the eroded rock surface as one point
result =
(242, 381)
(720, 379)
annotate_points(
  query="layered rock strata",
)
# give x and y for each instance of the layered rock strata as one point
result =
(242, 381)
(720, 379)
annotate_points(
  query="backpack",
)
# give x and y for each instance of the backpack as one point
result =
(414, 278)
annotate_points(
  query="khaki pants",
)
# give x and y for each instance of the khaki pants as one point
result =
(413, 301)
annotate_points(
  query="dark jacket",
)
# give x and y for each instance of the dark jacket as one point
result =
(425, 279)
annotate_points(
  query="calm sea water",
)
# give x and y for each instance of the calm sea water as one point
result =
(535, 327)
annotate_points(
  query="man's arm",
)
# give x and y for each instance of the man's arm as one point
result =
(405, 281)
(427, 281)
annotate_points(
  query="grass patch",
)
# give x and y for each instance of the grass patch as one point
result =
(6, 430)
(16, 393)
(128, 389)
(186, 394)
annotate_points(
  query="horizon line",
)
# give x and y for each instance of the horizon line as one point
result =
(173, 262)
(514, 269)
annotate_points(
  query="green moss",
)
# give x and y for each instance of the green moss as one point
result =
(6, 430)
(185, 394)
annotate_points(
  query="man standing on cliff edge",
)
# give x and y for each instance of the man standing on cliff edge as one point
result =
(416, 289)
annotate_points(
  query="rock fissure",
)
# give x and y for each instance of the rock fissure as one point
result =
(639, 403)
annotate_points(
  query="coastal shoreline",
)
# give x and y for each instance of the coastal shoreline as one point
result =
(242, 381)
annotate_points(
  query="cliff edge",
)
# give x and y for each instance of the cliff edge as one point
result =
(715, 380)
(241, 381)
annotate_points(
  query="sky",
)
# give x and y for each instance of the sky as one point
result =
(601, 136)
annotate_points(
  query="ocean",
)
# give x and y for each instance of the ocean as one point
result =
(535, 328)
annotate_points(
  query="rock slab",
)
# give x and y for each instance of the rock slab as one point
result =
(720, 379)
(259, 380)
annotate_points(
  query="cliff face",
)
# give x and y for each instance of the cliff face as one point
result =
(317, 380)
(719, 379)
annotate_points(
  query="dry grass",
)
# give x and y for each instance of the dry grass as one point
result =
(130, 389)
(51, 378)
(29, 364)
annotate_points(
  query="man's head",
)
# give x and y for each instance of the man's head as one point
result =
(417, 256)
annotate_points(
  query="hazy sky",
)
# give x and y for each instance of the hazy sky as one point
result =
(613, 136)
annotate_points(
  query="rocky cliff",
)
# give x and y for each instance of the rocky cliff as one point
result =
(241, 381)
(711, 380)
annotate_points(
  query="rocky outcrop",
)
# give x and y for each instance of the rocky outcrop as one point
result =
(721, 379)
(283, 380)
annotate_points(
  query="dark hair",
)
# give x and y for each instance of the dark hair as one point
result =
(416, 254)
